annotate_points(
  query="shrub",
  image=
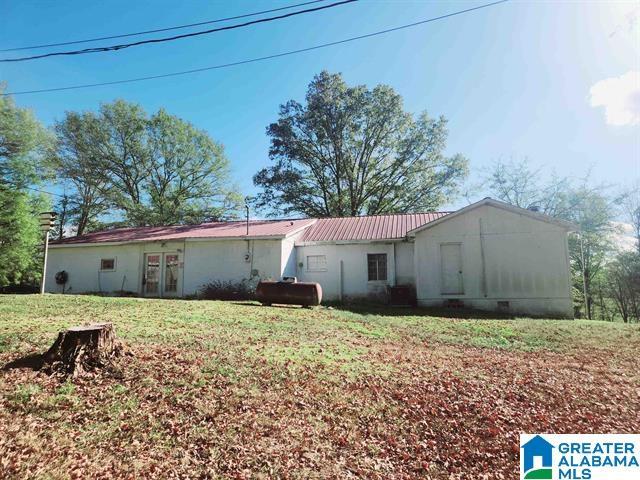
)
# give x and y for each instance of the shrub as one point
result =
(227, 290)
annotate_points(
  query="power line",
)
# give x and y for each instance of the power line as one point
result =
(166, 29)
(176, 37)
(259, 59)
(7, 182)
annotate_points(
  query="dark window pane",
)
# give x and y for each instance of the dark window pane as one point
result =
(377, 266)
(107, 264)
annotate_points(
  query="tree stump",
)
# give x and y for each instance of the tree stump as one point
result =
(82, 349)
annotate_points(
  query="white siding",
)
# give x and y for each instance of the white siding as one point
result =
(525, 262)
(206, 261)
(201, 262)
(351, 280)
(83, 266)
(404, 264)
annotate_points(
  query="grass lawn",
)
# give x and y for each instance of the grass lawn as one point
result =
(237, 390)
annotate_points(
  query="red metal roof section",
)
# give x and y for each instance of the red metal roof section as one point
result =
(374, 227)
(257, 228)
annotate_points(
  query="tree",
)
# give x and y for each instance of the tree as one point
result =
(516, 183)
(630, 203)
(141, 170)
(20, 236)
(623, 285)
(188, 173)
(22, 141)
(352, 151)
(77, 161)
(590, 250)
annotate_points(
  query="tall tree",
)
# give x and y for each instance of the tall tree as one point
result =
(629, 200)
(188, 172)
(141, 170)
(516, 183)
(351, 151)
(77, 161)
(22, 142)
(119, 137)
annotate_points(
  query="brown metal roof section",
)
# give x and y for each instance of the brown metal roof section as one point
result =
(374, 227)
(257, 228)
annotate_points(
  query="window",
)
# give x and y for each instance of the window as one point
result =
(377, 266)
(171, 273)
(108, 264)
(316, 263)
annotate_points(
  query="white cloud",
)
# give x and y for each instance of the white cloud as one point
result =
(620, 97)
(624, 238)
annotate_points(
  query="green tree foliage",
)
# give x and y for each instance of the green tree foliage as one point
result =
(351, 151)
(22, 142)
(77, 162)
(622, 285)
(20, 237)
(127, 168)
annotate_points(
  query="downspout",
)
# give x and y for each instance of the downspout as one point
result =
(395, 266)
(184, 257)
(340, 280)
(483, 260)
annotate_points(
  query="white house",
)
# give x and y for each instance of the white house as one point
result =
(488, 255)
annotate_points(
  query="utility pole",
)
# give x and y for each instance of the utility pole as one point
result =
(47, 222)
(587, 304)
(246, 205)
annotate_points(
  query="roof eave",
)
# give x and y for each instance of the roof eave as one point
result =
(570, 227)
(183, 239)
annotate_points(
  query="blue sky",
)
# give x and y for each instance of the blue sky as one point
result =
(513, 80)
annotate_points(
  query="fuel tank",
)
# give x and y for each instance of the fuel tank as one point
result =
(307, 294)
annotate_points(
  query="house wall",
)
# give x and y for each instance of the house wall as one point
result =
(200, 263)
(288, 257)
(525, 262)
(206, 261)
(83, 266)
(346, 275)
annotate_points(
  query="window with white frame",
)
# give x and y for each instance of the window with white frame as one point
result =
(316, 263)
(107, 264)
(377, 266)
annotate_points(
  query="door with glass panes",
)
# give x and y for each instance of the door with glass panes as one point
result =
(161, 274)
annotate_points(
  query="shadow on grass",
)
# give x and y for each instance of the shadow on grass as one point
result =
(251, 303)
(34, 361)
(441, 312)
(391, 311)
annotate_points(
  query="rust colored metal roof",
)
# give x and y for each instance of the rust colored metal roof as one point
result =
(374, 227)
(257, 228)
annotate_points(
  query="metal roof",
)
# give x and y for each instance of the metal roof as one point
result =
(373, 227)
(238, 229)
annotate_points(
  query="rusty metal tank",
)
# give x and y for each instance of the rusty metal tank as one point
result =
(307, 294)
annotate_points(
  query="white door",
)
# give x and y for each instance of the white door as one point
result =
(161, 275)
(451, 265)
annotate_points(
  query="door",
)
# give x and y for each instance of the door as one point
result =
(161, 275)
(170, 277)
(451, 265)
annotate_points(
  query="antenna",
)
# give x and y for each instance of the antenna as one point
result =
(246, 205)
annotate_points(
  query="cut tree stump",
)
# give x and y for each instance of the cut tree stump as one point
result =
(82, 349)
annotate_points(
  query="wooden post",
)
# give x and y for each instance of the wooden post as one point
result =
(44, 265)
